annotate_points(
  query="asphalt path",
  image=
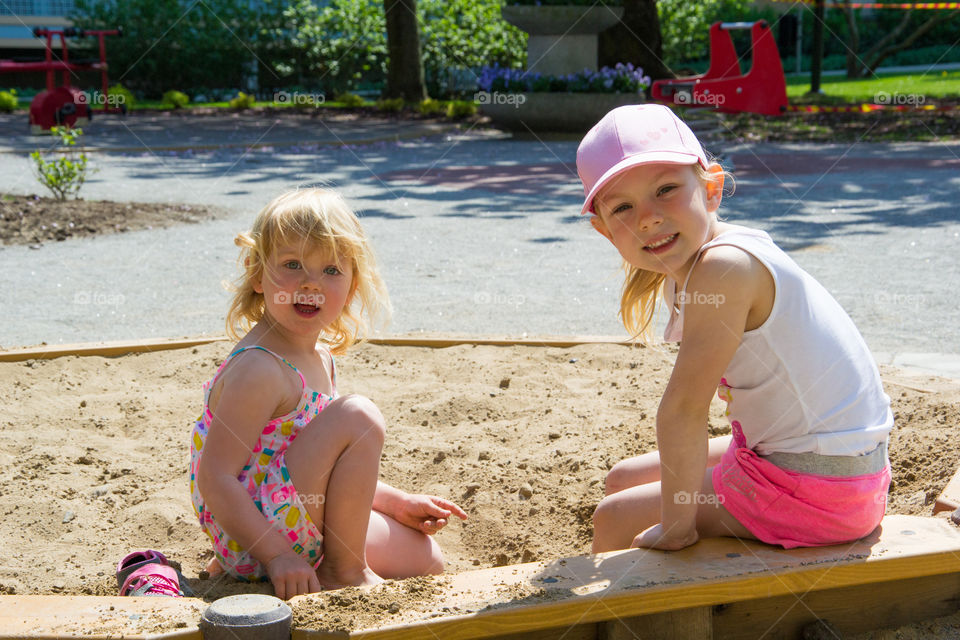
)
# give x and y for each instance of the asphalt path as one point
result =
(478, 233)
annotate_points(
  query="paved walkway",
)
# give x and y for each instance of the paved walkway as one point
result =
(479, 234)
(175, 131)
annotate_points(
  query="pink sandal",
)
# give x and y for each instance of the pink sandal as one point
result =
(149, 573)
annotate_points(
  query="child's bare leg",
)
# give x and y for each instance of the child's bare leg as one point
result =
(621, 516)
(397, 551)
(334, 463)
(645, 468)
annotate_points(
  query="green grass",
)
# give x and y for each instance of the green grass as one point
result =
(908, 88)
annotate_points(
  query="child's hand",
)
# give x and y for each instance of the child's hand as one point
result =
(655, 538)
(427, 514)
(291, 575)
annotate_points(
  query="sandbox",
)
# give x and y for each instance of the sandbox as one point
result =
(520, 434)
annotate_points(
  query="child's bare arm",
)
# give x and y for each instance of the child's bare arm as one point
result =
(246, 403)
(425, 513)
(720, 294)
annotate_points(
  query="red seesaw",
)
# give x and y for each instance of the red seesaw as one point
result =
(65, 105)
(763, 89)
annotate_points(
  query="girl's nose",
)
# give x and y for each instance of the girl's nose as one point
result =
(648, 218)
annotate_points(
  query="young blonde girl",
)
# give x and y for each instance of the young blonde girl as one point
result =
(284, 471)
(806, 463)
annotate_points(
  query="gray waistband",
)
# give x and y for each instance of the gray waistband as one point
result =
(844, 466)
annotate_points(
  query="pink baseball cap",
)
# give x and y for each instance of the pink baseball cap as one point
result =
(629, 136)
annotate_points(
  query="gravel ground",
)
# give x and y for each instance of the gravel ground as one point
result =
(478, 234)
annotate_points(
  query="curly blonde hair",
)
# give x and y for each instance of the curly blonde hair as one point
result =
(642, 288)
(321, 219)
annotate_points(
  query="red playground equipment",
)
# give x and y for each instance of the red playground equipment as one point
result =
(65, 105)
(763, 89)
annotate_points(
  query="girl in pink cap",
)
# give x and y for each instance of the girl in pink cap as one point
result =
(806, 463)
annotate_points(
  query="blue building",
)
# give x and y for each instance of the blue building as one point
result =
(19, 17)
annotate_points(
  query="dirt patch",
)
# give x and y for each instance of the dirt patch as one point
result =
(33, 220)
(96, 457)
(875, 126)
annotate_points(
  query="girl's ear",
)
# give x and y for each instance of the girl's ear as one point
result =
(601, 228)
(256, 282)
(714, 186)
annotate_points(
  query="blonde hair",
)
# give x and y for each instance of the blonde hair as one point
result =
(321, 219)
(641, 288)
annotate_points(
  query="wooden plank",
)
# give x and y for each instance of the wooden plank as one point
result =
(105, 349)
(627, 584)
(689, 624)
(949, 499)
(878, 605)
(112, 349)
(100, 617)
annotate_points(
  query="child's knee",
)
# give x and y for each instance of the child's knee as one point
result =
(364, 416)
(617, 479)
(434, 560)
(604, 515)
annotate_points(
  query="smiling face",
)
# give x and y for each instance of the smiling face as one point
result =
(658, 215)
(304, 288)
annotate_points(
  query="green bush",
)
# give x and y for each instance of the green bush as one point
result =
(8, 100)
(163, 41)
(242, 101)
(343, 43)
(391, 105)
(431, 107)
(461, 109)
(685, 26)
(176, 99)
(120, 96)
(66, 174)
(349, 100)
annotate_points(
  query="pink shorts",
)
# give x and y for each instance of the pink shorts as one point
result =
(796, 509)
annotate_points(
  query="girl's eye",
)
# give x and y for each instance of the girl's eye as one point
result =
(621, 208)
(665, 189)
(292, 264)
(332, 271)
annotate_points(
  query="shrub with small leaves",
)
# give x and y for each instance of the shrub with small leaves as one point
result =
(122, 96)
(242, 101)
(393, 105)
(461, 109)
(65, 175)
(349, 100)
(176, 99)
(431, 107)
(8, 100)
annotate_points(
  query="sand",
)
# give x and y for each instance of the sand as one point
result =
(95, 452)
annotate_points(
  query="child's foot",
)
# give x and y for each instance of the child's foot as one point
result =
(330, 578)
(213, 567)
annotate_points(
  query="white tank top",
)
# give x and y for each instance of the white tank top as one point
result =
(803, 381)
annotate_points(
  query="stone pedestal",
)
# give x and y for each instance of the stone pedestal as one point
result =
(563, 39)
(555, 112)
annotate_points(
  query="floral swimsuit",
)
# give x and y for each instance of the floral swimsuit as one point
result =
(266, 479)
